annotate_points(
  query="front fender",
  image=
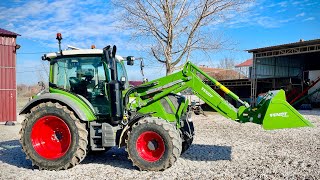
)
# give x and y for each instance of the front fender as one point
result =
(81, 109)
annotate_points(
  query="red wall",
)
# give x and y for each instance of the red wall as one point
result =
(8, 91)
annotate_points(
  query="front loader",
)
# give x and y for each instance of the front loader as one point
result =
(90, 107)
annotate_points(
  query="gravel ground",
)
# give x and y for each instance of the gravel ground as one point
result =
(222, 149)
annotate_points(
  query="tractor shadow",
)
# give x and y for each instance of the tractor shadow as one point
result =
(197, 152)
(115, 157)
(11, 153)
(202, 152)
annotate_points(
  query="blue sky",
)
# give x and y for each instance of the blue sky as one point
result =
(87, 22)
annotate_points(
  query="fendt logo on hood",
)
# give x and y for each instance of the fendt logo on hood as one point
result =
(205, 91)
(280, 114)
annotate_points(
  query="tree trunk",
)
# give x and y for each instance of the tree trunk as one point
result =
(168, 69)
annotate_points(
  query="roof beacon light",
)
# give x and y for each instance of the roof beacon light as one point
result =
(59, 36)
(93, 46)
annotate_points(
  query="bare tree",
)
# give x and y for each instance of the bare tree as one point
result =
(227, 63)
(175, 28)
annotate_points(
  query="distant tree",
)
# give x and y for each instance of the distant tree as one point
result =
(227, 63)
(175, 28)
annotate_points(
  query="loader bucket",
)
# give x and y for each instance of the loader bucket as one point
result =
(276, 113)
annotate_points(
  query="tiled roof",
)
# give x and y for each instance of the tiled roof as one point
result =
(246, 63)
(222, 74)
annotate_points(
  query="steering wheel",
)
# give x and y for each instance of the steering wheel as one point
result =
(99, 85)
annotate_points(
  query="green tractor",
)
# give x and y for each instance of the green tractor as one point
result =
(91, 107)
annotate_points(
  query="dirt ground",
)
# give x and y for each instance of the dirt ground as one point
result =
(222, 149)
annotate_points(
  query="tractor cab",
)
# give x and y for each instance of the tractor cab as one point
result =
(84, 73)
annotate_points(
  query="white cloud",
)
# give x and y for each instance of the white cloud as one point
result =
(309, 19)
(296, 2)
(81, 23)
(281, 10)
(281, 4)
(300, 15)
(266, 22)
(312, 3)
(258, 20)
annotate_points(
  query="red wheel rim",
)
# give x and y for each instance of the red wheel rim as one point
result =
(150, 146)
(50, 137)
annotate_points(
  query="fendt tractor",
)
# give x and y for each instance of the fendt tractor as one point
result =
(89, 106)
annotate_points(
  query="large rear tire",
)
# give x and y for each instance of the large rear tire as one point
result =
(53, 138)
(153, 144)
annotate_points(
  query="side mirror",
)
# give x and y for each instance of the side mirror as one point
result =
(123, 79)
(45, 58)
(130, 60)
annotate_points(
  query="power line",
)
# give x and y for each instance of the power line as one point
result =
(32, 52)
(22, 67)
(32, 71)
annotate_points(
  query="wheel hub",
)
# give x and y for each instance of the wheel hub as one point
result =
(51, 137)
(57, 135)
(150, 146)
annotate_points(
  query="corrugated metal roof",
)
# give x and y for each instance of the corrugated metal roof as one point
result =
(7, 33)
(247, 63)
(285, 46)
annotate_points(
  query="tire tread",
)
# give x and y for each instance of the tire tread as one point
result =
(80, 153)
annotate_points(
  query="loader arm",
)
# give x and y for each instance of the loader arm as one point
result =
(269, 111)
(189, 77)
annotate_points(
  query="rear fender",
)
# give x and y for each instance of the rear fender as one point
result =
(82, 110)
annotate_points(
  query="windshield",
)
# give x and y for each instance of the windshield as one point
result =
(86, 76)
(69, 71)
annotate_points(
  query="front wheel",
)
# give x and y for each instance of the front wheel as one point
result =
(53, 137)
(153, 144)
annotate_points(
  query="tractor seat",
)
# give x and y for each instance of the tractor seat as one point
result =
(78, 86)
(74, 81)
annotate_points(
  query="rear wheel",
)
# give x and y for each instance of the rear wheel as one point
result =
(153, 144)
(53, 138)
